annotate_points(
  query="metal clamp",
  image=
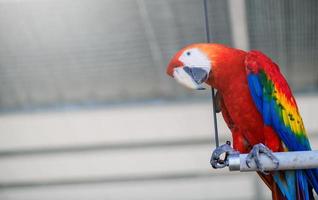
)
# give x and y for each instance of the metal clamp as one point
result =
(220, 156)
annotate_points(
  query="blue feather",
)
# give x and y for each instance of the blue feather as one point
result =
(255, 90)
(290, 179)
(312, 174)
(257, 85)
(285, 190)
(275, 117)
(302, 180)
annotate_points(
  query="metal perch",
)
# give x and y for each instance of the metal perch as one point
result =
(287, 161)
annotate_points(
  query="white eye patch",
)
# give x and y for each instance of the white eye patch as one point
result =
(195, 58)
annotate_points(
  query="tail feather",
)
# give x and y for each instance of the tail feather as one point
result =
(302, 186)
(292, 185)
(269, 181)
(276, 194)
(312, 176)
(286, 183)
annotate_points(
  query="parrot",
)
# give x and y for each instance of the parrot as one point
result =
(257, 106)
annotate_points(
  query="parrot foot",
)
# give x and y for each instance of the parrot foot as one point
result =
(220, 154)
(254, 154)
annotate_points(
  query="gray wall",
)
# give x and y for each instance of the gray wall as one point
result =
(70, 52)
(154, 151)
(287, 31)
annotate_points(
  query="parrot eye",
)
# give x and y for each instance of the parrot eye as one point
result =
(188, 53)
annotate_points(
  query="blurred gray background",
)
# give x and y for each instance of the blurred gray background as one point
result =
(87, 111)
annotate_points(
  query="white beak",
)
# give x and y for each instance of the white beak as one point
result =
(187, 79)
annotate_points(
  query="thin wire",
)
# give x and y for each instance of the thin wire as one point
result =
(216, 134)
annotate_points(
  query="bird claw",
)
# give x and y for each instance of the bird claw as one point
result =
(225, 150)
(255, 155)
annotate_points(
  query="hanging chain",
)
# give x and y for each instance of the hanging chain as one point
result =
(216, 136)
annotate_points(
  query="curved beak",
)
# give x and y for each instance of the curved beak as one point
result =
(192, 77)
(174, 63)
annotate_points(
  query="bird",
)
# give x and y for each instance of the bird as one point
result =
(257, 105)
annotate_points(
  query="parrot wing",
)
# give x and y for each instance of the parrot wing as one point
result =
(275, 101)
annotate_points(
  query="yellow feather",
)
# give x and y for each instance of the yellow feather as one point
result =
(285, 117)
(294, 127)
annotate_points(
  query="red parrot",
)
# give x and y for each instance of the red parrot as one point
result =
(257, 106)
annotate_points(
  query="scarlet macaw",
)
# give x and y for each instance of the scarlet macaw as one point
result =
(257, 105)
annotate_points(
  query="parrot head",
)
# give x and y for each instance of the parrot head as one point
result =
(197, 64)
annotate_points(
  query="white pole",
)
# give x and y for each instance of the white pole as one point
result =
(287, 161)
(238, 21)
